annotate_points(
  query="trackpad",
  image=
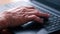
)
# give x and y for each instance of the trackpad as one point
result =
(42, 31)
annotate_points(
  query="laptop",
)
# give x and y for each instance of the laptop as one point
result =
(53, 8)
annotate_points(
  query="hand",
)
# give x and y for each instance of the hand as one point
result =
(22, 15)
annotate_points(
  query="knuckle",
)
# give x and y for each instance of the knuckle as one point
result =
(33, 15)
(36, 12)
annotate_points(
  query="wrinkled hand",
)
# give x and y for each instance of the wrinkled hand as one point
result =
(22, 15)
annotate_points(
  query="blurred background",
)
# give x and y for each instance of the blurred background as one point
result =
(2, 2)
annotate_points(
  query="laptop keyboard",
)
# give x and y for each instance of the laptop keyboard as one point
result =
(53, 23)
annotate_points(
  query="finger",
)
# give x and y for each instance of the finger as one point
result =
(45, 15)
(38, 13)
(42, 14)
(35, 18)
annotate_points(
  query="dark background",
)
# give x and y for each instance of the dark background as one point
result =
(52, 3)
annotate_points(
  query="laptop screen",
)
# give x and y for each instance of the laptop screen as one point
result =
(52, 3)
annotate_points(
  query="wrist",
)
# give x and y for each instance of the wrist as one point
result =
(4, 20)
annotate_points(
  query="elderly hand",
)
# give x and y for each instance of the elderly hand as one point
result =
(21, 15)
